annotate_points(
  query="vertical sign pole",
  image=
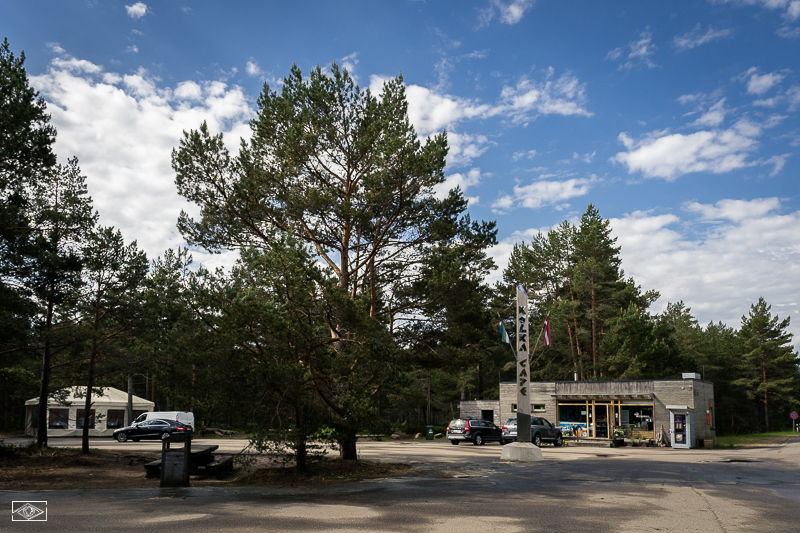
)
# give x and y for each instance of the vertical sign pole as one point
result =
(523, 369)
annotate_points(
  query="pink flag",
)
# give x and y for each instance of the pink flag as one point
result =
(546, 329)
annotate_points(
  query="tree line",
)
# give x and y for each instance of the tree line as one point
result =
(358, 301)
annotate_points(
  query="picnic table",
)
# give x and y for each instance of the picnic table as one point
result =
(202, 460)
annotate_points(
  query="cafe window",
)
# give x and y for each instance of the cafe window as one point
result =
(635, 420)
(79, 418)
(115, 418)
(573, 420)
(59, 419)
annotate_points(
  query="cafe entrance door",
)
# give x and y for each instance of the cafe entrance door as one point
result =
(601, 420)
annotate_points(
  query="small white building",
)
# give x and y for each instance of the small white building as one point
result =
(65, 416)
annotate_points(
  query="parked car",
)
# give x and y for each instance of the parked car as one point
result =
(478, 431)
(151, 429)
(541, 431)
(184, 417)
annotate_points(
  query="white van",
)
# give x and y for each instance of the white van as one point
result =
(181, 416)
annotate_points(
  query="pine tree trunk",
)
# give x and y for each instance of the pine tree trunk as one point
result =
(347, 446)
(594, 328)
(88, 403)
(44, 391)
(764, 380)
(301, 452)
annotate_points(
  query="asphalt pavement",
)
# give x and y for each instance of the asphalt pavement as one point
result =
(457, 488)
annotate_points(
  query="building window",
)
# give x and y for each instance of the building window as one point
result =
(572, 420)
(79, 418)
(537, 407)
(59, 419)
(115, 418)
(513, 408)
(636, 420)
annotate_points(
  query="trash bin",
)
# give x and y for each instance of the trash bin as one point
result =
(428, 432)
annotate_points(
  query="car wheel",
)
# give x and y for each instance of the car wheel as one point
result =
(537, 440)
(478, 440)
(164, 436)
(454, 442)
(122, 437)
(502, 442)
(559, 440)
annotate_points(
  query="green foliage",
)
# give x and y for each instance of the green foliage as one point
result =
(769, 362)
(573, 274)
(343, 172)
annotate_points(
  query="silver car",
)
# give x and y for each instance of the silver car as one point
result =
(541, 431)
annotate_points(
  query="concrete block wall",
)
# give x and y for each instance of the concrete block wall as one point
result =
(473, 408)
(541, 393)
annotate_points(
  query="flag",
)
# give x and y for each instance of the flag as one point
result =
(546, 329)
(504, 334)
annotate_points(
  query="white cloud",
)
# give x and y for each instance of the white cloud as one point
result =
(750, 251)
(734, 210)
(713, 117)
(788, 33)
(464, 181)
(639, 52)
(56, 48)
(544, 192)
(431, 111)
(529, 154)
(698, 37)
(137, 10)
(253, 69)
(464, 147)
(759, 84)
(790, 8)
(670, 155)
(509, 12)
(349, 63)
(132, 49)
(123, 128)
(562, 96)
(793, 95)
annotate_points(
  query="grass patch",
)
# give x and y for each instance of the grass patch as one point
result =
(773, 438)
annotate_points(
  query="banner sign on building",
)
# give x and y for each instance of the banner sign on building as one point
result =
(523, 371)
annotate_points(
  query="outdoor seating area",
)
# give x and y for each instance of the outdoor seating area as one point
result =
(202, 462)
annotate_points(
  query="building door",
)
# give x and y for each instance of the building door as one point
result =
(487, 414)
(601, 421)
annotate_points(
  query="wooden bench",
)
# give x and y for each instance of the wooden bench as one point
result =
(221, 466)
(153, 469)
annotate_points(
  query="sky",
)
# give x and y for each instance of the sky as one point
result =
(677, 120)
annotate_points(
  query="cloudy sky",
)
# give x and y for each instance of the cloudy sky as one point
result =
(678, 120)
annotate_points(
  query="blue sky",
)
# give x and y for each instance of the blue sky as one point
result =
(678, 120)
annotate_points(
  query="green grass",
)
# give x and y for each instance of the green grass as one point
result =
(755, 439)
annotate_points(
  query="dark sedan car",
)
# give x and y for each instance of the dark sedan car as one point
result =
(151, 429)
(477, 431)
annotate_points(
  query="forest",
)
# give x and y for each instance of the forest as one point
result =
(358, 302)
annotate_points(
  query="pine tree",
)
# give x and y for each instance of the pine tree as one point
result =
(343, 171)
(769, 360)
(109, 304)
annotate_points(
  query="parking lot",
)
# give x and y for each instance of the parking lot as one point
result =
(469, 487)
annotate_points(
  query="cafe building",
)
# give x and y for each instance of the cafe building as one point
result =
(681, 409)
